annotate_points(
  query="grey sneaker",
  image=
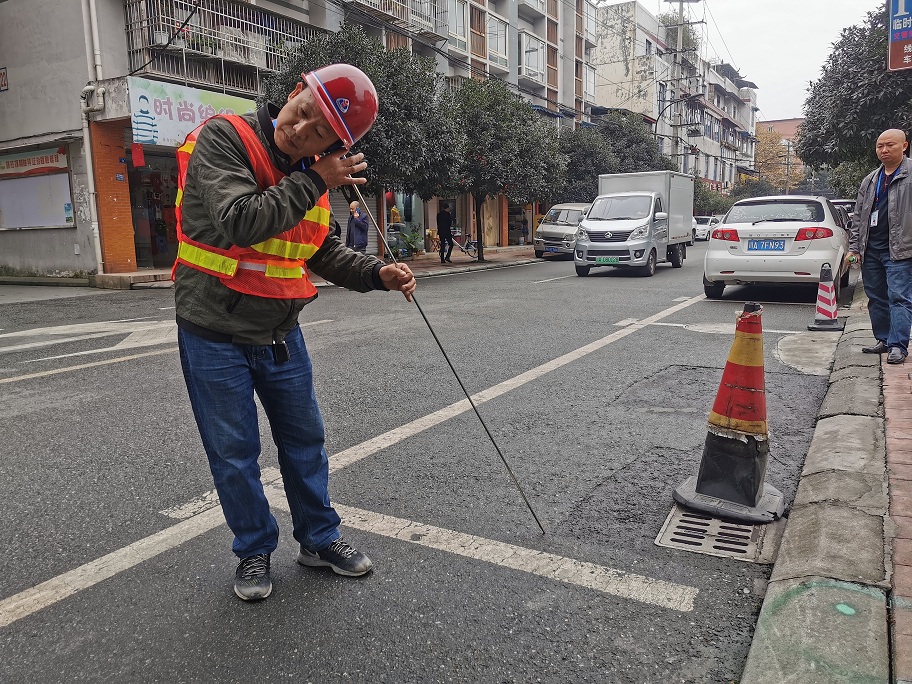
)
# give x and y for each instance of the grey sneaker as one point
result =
(343, 558)
(251, 579)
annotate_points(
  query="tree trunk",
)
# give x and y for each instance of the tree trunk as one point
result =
(479, 228)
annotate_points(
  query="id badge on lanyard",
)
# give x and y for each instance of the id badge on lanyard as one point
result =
(875, 212)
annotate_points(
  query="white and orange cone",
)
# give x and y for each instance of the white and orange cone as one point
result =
(827, 316)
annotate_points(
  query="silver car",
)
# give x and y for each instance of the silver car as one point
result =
(556, 233)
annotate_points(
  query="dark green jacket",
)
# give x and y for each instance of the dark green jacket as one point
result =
(223, 206)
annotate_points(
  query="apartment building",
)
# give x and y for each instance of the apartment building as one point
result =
(703, 113)
(88, 131)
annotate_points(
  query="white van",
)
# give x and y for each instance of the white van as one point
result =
(556, 233)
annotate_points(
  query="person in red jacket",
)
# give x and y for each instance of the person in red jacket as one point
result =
(253, 221)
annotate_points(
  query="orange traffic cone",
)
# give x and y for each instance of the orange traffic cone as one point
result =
(730, 483)
(827, 316)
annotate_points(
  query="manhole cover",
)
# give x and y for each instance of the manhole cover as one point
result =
(702, 533)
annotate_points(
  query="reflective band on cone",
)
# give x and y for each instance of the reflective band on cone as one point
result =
(827, 315)
(730, 483)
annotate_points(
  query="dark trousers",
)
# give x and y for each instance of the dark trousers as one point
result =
(446, 246)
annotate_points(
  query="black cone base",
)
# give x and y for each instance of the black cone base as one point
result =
(770, 506)
(834, 325)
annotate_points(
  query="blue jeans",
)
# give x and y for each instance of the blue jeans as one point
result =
(221, 379)
(888, 285)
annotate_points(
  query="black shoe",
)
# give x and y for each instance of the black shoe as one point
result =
(896, 355)
(879, 348)
(251, 579)
(449, 261)
(343, 558)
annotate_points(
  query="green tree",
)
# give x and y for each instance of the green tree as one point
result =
(509, 149)
(847, 176)
(855, 99)
(589, 153)
(708, 202)
(752, 187)
(411, 142)
(691, 39)
(633, 143)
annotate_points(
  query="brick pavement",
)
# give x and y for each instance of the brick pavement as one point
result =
(897, 392)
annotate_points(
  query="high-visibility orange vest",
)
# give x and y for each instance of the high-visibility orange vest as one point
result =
(274, 268)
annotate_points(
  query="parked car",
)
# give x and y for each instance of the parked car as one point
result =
(556, 232)
(783, 239)
(847, 204)
(705, 225)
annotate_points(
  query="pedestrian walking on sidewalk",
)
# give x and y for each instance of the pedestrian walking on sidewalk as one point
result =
(356, 235)
(253, 220)
(445, 232)
(880, 238)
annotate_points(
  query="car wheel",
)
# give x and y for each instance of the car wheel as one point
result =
(712, 290)
(677, 256)
(582, 271)
(649, 269)
(539, 253)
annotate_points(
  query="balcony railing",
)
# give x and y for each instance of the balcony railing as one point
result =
(227, 45)
(420, 15)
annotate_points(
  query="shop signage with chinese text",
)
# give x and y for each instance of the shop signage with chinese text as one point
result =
(35, 163)
(164, 113)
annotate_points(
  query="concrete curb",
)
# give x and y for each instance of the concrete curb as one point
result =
(824, 619)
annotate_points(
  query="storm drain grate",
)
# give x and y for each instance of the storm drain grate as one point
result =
(702, 533)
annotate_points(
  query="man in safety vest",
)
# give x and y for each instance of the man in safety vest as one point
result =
(253, 220)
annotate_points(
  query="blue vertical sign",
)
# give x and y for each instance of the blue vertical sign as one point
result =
(900, 27)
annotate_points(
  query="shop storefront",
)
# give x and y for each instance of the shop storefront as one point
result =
(162, 114)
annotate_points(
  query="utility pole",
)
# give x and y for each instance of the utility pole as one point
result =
(788, 163)
(679, 71)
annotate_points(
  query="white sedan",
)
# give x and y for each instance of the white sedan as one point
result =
(783, 239)
(705, 225)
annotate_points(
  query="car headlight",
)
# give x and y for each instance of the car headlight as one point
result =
(569, 237)
(538, 235)
(581, 234)
(640, 232)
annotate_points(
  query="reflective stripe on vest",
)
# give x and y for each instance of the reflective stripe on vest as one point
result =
(275, 267)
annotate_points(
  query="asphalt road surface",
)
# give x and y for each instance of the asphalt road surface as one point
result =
(117, 564)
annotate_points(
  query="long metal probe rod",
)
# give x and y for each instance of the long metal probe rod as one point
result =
(453, 368)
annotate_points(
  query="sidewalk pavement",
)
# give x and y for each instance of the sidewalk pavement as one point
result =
(422, 266)
(838, 607)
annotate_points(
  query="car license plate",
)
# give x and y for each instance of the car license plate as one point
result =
(552, 249)
(607, 260)
(766, 245)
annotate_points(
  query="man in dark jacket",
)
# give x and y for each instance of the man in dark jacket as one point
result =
(240, 283)
(356, 234)
(445, 232)
(880, 238)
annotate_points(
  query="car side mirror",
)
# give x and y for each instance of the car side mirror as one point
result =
(661, 215)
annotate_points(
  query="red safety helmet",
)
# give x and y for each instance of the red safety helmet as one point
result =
(348, 100)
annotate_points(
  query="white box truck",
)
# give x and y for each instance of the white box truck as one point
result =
(637, 221)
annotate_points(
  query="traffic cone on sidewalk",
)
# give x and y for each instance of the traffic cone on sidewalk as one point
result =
(731, 482)
(827, 314)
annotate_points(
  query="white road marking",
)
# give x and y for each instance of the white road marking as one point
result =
(548, 565)
(56, 371)
(720, 328)
(607, 580)
(166, 308)
(680, 299)
(372, 446)
(744, 301)
(535, 282)
(163, 332)
(626, 321)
